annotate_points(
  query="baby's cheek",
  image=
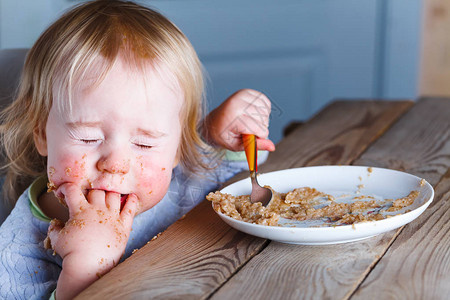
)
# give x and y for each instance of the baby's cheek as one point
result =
(75, 171)
(152, 178)
(68, 170)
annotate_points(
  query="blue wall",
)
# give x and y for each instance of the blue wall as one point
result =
(302, 54)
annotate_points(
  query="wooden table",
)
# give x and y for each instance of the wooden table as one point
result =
(201, 257)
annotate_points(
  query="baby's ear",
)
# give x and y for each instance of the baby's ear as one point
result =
(40, 140)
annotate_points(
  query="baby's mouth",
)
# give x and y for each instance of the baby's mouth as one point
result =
(123, 200)
(123, 197)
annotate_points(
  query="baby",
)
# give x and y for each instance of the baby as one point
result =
(105, 132)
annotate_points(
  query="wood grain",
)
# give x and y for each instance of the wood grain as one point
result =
(283, 271)
(419, 143)
(334, 272)
(418, 262)
(417, 265)
(197, 255)
(337, 135)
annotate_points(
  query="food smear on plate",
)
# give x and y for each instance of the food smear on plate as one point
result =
(307, 203)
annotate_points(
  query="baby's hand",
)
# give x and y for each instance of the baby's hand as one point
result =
(245, 112)
(93, 239)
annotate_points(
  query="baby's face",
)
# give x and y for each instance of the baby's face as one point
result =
(122, 136)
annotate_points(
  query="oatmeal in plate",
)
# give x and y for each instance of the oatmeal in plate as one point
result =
(325, 204)
(307, 203)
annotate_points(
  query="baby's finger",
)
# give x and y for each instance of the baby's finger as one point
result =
(258, 99)
(129, 210)
(265, 144)
(96, 198)
(72, 196)
(249, 125)
(113, 201)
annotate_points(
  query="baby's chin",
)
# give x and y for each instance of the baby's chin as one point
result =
(146, 204)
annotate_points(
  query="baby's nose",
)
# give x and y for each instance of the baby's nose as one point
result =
(113, 165)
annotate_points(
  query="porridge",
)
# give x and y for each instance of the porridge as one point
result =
(307, 203)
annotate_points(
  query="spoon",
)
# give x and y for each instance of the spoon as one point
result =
(259, 193)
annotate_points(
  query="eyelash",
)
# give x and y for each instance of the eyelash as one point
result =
(89, 141)
(145, 147)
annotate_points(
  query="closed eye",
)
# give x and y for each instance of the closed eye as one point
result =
(142, 146)
(89, 141)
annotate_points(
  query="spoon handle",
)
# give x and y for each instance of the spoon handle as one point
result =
(249, 141)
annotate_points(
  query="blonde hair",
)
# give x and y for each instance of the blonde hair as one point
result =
(68, 54)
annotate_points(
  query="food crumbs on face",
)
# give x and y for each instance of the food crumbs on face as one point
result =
(51, 171)
(109, 246)
(68, 171)
(163, 169)
(51, 187)
(306, 203)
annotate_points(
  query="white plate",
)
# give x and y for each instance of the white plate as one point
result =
(337, 181)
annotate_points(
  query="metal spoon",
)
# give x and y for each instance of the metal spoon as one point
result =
(259, 193)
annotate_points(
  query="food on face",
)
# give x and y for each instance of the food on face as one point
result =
(51, 187)
(307, 203)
